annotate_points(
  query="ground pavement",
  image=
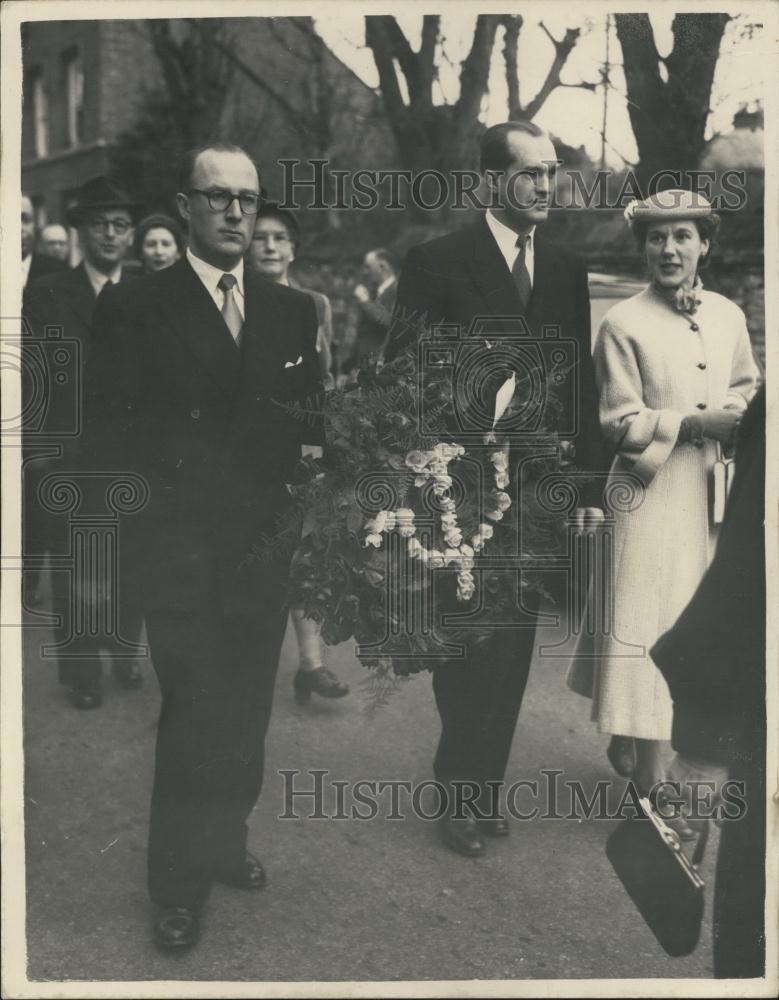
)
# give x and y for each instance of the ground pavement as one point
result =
(378, 900)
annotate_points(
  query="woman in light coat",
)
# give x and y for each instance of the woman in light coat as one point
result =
(675, 372)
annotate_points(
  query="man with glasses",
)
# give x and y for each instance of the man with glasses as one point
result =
(103, 215)
(193, 382)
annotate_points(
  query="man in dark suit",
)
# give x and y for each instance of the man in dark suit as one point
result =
(34, 265)
(375, 302)
(501, 268)
(193, 376)
(65, 299)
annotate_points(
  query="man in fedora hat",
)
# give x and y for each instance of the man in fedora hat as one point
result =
(104, 216)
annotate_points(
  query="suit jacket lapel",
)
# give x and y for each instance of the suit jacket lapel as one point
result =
(490, 273)
(81, 295)
(544, 279)
(194, 316)
(263, 332)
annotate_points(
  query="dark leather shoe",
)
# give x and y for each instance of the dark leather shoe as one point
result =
(621, 752)
(462, 836)
(248, 875)
(320, 681)
(86, 697)
(494, 826)
(128, 674)
(176, 928)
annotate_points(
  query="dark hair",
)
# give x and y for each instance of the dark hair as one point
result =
(385, 257)
(493, 147)
(272, 210)
(157, 222)
(188, 160)
(707, 226)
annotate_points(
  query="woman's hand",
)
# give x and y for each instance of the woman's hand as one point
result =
(720, 425)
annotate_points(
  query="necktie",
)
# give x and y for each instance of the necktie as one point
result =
(230, 311)
(521, 274)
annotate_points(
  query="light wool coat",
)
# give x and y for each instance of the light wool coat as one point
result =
(653, 366)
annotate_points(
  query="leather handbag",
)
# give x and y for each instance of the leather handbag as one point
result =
(663, 883)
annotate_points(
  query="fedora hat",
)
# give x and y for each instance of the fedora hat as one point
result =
(100, 192)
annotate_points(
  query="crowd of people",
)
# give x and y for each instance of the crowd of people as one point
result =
(184, 369)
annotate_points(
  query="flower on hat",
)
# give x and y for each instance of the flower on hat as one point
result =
(630, 210)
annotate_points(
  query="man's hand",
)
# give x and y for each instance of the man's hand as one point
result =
(587, 519)
(361, 293)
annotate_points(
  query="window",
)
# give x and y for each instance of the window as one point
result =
(74, 89)
(39, 211)
(40, 113)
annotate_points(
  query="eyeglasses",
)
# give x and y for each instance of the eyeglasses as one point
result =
(120, 226)
(219, 199)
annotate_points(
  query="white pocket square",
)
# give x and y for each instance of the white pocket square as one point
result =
(293, 364)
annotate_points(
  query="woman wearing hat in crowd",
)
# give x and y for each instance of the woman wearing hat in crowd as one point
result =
(675, 372)
(275, 243)
(159, 242)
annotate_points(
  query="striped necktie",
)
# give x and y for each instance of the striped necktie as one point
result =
(230, 311)
(520, 272)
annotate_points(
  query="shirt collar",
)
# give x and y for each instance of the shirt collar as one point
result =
(384, 285)
(210, 275)
(506, 238)
(26, 261)
(98, 279)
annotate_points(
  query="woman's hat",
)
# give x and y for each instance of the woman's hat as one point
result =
(666, 205)
(272, 210)
(158, 221)
(100, 192)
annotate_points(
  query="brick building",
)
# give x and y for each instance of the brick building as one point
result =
(81, 83)
(85, 81)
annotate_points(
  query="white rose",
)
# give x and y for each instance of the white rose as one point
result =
(503, 500)
(404, 517)
(415, 548)
(417, 460)
(372, 539)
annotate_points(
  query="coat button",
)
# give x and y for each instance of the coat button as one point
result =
(694, 327)
(702, 366)
(701, 406)
(195, 414)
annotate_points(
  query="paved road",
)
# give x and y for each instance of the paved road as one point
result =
(378, 900)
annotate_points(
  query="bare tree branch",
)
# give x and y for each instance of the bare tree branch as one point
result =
(296, 117)
(563, 48)
(512, 25)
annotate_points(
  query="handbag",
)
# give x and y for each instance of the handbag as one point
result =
(720, 479)
(663, 883)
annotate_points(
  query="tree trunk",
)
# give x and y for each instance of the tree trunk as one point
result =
(669, 116)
